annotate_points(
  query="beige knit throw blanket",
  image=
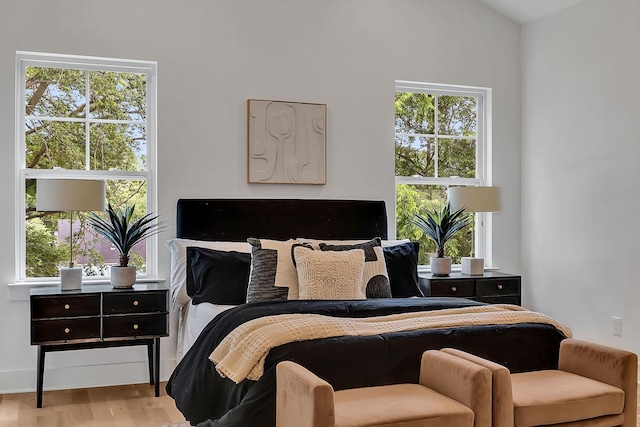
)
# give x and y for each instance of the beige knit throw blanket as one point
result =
(242, 353)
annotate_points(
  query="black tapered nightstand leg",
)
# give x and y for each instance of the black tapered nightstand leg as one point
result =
(40, 377)
(150, 358)
(156, 365)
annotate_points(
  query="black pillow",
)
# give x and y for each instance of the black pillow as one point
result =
(402, 267)
(217, 277)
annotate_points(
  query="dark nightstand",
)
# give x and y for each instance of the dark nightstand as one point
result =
(99, 316)
(492, 287)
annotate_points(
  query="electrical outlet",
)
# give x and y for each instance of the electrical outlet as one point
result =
(616, 326)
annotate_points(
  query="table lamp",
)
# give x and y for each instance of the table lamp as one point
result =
(61, 195)
(475, 200)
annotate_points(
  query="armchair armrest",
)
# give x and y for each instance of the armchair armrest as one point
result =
(502, 394)
(303, 399)
(461, 380)
(609, 365)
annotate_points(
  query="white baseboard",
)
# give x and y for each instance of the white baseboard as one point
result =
(99, 375)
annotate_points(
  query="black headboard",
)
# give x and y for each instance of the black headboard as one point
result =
(237, 219)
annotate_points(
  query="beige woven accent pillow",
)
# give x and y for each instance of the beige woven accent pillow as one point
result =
(330, 275)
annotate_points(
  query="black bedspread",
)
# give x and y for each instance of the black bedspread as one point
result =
(345, 362)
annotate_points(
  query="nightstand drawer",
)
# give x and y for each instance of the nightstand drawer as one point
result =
(448, 288)
(138, 302)
(44, 331)
(65, 306)
(135, 326)
(497, 287)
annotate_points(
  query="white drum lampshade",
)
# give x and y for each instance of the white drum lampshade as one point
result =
(475, 200)
(60, 195)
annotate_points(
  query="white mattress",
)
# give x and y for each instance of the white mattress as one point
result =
(193, 319)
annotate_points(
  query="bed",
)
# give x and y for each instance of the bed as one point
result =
(207, 398)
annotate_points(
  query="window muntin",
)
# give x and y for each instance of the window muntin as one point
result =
(439, 141)
(61, 135)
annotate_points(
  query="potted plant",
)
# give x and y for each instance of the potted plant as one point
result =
(440, 226)
(123, 233)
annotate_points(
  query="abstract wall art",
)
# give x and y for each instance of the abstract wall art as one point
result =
(286, 142)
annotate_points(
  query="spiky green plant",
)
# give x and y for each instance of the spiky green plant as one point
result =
(119, 230)
(441, 225)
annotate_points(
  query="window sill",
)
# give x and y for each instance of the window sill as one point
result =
(454, 268)
(20, 291)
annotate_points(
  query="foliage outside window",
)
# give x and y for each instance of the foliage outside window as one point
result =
(439, 142)
(88, 118)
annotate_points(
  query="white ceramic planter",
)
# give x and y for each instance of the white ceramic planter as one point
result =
(123, 277)
(440, 266)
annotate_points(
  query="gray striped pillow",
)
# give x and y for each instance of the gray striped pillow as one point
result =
(262, 279)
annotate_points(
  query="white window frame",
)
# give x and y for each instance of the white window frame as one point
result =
(149, 68)
(483, 226)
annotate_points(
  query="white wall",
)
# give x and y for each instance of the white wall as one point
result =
(581, 168)
(212, 55)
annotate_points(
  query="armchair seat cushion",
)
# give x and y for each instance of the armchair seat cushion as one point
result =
(407, 405)
(555, 397)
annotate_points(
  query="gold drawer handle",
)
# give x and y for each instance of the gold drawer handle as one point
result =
(135, 326)
(135, 302)
(66, 306)
(67, 330)
(454, 289)
(499, 286)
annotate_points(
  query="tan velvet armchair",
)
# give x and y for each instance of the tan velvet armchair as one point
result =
(452, 392)
(594, 386)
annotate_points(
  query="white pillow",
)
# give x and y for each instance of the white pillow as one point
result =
(178, 249)
(330, 275)
(389, 243)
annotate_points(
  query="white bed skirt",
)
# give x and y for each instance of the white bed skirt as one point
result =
(193, 319)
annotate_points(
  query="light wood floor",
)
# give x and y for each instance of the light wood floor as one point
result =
(121, 406)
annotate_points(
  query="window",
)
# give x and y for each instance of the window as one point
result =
(440, 141)
(85, 118)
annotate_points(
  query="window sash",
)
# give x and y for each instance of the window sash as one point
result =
(483, 225)
(149, 68)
